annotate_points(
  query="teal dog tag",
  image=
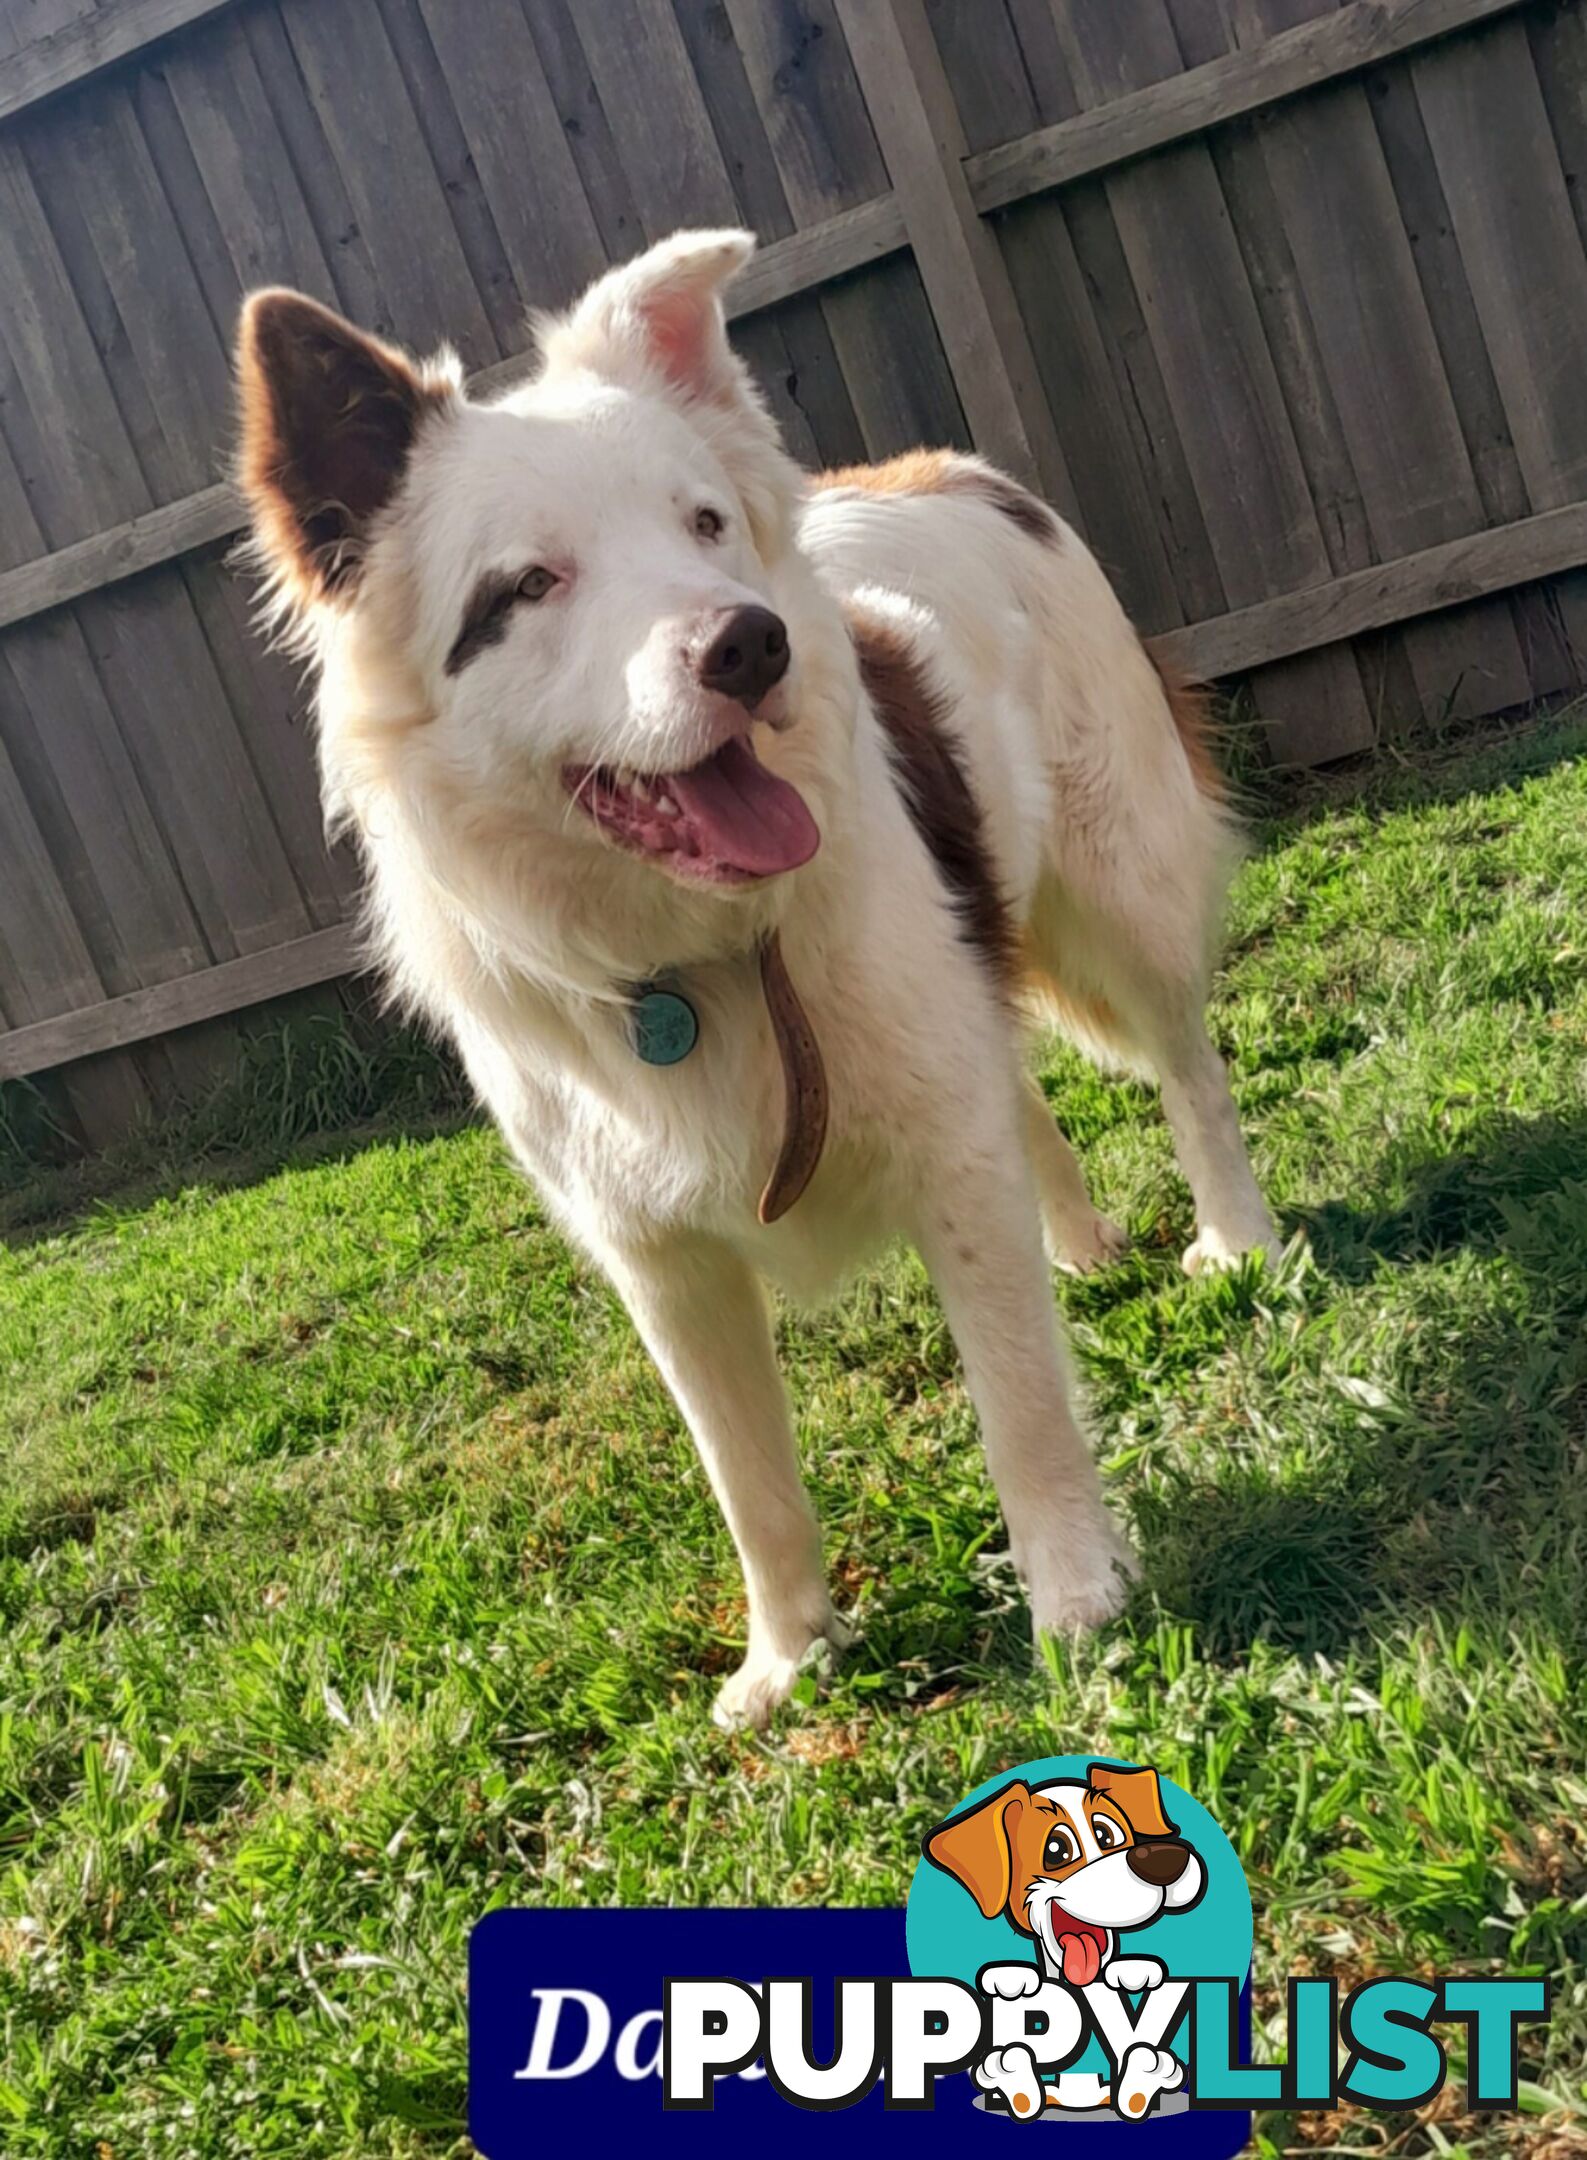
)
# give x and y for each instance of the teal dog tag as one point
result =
(663, 1027)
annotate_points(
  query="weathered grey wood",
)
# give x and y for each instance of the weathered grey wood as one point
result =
(978, 319)
(82, 47)
(1228, 406)
(515, 138)
(852, 241)
(26, 22)
(142, 543)
(1356, 279)
(232, 987)
(640, 68)
(1394, 592)
(1446, 290)
(1520, 243)
(1359, 36)
(811, 119)
(358, 289)
(791, 350)
(380, 151)
(242, 156)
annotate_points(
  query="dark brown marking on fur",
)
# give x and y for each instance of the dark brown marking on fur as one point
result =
(936, 791)
(945, 472)
(1190, 708)
(329, 419)
(486, 619)
(1018, 504)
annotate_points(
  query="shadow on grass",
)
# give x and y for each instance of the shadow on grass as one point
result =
(307, 1091)
(1479, 757)
(1462, 1492)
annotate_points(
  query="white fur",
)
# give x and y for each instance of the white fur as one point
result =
(501, 913)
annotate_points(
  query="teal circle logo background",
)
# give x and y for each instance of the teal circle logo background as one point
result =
(945, 1934)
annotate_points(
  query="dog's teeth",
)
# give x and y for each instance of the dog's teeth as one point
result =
(666, 805)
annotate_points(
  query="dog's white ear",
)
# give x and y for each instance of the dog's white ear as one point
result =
(329, 419)
(660, 316)
(1138, 1793)
(977, 1848)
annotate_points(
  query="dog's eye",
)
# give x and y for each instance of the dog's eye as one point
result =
(536, 583)
(708, 523)
(1107, 1832)
(1061, 1849)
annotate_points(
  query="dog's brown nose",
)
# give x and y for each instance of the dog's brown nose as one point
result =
(1159, 1863)
(746, 655)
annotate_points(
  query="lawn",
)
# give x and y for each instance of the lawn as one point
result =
(357, 1576)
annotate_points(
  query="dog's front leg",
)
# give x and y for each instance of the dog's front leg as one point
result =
(980, 1237)
(704, 1318)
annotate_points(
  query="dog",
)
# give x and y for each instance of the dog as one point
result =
(1074, 1864)
(728, 822)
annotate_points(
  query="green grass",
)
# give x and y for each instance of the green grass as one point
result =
(356, 1575)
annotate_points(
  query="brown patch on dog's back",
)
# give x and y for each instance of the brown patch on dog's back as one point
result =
(936, 790)
(916, 472)
(945, 472)
(1190, 708)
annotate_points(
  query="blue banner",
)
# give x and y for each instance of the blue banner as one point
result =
(565, 2040)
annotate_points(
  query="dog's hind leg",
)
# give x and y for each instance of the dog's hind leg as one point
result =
(978, 1232)
(1120, 938)
(704, 1318)
(1078, 1238)
(1231, 1215)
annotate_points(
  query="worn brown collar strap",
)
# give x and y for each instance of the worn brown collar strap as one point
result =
(804, 1086)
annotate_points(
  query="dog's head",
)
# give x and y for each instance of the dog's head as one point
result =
(574, 616)
(1072, 1863)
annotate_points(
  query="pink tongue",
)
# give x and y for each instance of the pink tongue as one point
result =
(745, 816)
(1082, 1959)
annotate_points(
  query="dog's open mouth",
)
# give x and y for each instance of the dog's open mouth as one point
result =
(1080, 1947)
(725, 821)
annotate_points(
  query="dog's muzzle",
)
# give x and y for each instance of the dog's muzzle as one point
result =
(1159, 1863)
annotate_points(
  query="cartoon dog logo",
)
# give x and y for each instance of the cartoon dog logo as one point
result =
(1074, 1864)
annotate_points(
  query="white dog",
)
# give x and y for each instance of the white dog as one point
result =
(721, 819)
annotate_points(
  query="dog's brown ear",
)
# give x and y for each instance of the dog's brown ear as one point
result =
(977, 1848)
(1138, 1793)
(329, 418)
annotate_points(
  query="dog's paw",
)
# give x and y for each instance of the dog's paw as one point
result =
(1214, 1249)
(1012, 2072)
(1090, 1244)
(1146, 2072)
(1009, 1982)
(1130, 1975)
(769, 1675)
(1089, 1586)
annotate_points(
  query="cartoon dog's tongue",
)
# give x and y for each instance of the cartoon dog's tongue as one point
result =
(1081, 1946)
(744, 815)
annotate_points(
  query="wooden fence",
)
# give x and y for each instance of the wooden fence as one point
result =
(1284, 302)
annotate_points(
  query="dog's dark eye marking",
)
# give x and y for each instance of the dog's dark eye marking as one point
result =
(709, 524)
(489, 611)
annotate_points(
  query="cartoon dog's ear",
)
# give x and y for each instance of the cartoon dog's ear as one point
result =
(329, 418)
(977, 1848)
(659, 315)
(1138, 1793)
